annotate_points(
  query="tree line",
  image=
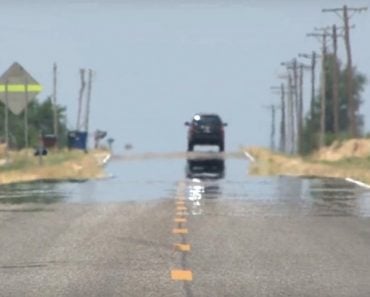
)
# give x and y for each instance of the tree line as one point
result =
(311, 130)
(40, 122)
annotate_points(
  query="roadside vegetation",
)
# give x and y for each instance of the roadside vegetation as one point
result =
(19, 164)
(60, 165)
(310, 136)
(346, 159)
(40, 121)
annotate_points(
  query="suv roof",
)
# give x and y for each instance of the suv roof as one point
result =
(199, 116)
(206, 114)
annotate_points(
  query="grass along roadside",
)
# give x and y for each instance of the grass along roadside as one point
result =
(269, 163)
(57, 165)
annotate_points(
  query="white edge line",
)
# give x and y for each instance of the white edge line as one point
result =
(249, 156)
(361, 184)
(106, 159)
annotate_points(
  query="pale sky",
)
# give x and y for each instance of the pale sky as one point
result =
(159, 62)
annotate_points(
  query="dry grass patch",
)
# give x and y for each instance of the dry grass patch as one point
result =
(58, 165)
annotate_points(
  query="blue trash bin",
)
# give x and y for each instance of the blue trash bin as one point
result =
(77, 140)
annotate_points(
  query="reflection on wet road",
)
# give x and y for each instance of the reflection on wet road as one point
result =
(206, 178)
(232, 234)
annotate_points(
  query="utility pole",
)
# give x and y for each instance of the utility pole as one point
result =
(283, 120)
(80, 98)
(291, 114)
(313, 57)
(322, 86)
(89, 86)
(55, 106)
(323, 94)
(272, 107)
(26, 115)
(302, 67)
(293, 103)
(353, 129)
(282, 138)
(6, 117)
(335, 73)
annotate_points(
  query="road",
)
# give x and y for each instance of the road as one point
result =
(150, 231)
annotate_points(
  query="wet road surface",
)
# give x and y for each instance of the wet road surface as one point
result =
(177, 227)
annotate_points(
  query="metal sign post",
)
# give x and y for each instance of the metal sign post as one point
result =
(6, 118)
(26, 114)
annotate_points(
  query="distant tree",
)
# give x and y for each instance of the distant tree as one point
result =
(40, 120)
(312, 124)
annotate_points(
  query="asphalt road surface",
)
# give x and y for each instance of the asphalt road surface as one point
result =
(162, 227)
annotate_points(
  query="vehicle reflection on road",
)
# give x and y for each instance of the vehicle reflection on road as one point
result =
(203, 175)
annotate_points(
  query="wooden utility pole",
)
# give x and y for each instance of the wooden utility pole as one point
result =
(26, 114)
(323, 94)
(323, 40)
(283, 120)
(55, 106)
(6, 117)
(282, 138)
(272, 107)
(296, 103)
(313, 81)
(290, 110)
(352, 108)
(335, 74)
(300, 117)
(80, 99)
(313, 57)
(293, 100)
(89, 86)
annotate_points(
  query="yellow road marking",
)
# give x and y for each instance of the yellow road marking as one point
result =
(181, 275)
(182, 247)
(180, 220)
(181, 208)
(180, 231)
(181, 213)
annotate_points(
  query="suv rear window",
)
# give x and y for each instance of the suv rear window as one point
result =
(207, 120)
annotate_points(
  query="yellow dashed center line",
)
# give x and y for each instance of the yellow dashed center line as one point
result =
(181, 213)
(182, 275)
(182, 247)
(180, 220)
(180, 231)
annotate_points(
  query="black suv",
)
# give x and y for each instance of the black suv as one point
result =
(207, 129)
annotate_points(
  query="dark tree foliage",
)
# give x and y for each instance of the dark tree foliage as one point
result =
(40, 120)
(312, 125)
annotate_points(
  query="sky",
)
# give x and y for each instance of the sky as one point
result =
(156, 63)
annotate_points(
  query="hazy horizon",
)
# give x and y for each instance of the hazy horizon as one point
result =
(156, 64)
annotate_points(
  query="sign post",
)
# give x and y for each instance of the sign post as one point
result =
(6, 118)
(17, 89)
(26, 114)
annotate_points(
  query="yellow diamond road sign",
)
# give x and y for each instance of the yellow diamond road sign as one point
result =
(18, 87)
